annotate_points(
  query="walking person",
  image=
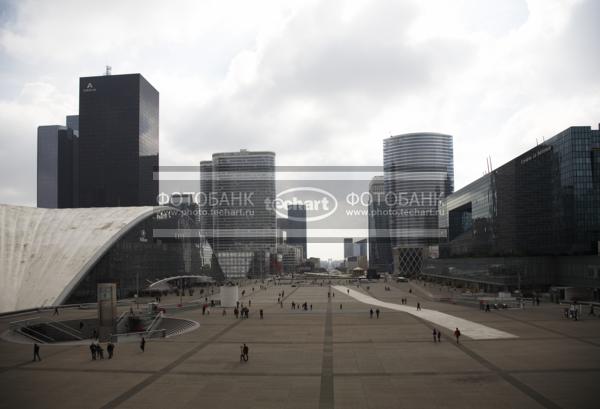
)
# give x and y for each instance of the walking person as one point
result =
(55, 311)
(439, 336)
(418, 306)
(261, 314)
(245, 352)
(143, 344)
(36, 352)
(100, 351)
(110, 348)
(377, 313)
(371, 313)
(434, 335)
(457, 334)
(93, 351)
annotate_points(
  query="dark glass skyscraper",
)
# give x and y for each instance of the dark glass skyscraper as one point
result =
(296, 227)
(418, 172)
(118, 133)
(380, 251)
(56, 167)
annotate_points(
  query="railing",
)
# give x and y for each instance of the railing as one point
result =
(131, 336)
(155, 321)
(66, 329)
(38, 335)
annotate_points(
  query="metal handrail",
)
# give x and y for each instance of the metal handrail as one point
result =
(37, 333)
(64, 328)
(155, 320)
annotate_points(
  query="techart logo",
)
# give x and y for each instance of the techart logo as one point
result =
(89, 87)
(318, 203)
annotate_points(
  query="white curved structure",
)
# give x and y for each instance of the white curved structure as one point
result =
(45, 252)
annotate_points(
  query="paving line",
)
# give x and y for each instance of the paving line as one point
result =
(160, 373)
(326, 396)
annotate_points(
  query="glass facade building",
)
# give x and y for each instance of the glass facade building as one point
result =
(57, 149)
(532, 221)
(380, 250)
(141, 256)
(296, 227)
(118, 133)
(241, 202)
(418, 173)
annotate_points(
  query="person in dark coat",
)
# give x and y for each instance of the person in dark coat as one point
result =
(143, 344)
(93, 351)
(36, 352)
(110, 349)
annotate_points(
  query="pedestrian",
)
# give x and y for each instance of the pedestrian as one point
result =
(418, 306)
(487, 307)
(36, 352)
(340, 306)
(377, 313)
(55, 311)
(439, 336)
(224, 312)
(457, 334)
(80, 325)
(434, 335)
(371, 313)
(242, 353)
(245, 352)
(261, 314)
(348, 291)
(143, 344)
(592, 310)
(311, 307)
(110, 348)
(93, 351)
(250, 301)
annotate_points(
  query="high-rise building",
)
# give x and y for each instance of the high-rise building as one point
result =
(360, 248)
(418, 173)
(118, 134)
(380, 251)
(205, 215)
(531, 223)
(57, 148)
(244, 218)
(296, 227)
(348, 247)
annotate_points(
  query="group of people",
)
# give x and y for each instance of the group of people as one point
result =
(404, 301)
(305, 306)
(97, 351)
(377, 312)
(244, 312)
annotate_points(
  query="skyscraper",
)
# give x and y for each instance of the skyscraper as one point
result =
(118, 133)
(244, 219)
(57, 166)
(205, 216)
(348, 247)
(418, 173)
(296, 227)
(380, 251)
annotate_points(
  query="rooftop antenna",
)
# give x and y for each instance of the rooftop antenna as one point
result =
(108, 70)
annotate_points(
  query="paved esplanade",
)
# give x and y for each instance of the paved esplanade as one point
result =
(334, 356)
(468, 328)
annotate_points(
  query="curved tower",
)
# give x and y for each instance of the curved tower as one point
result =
(418, 173)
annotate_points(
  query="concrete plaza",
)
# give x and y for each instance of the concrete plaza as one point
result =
(334, 356)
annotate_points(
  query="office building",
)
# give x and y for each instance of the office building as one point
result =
(244, 219)
(118, 141)
(57, 170)
(531, 223)
(418, 173)
(380, 250)
(348, 247)
(360, 248)
(296, 227)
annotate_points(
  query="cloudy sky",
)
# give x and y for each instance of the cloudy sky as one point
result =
(318, 82)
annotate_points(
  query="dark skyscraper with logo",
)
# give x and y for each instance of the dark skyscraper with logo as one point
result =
(118, 141)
